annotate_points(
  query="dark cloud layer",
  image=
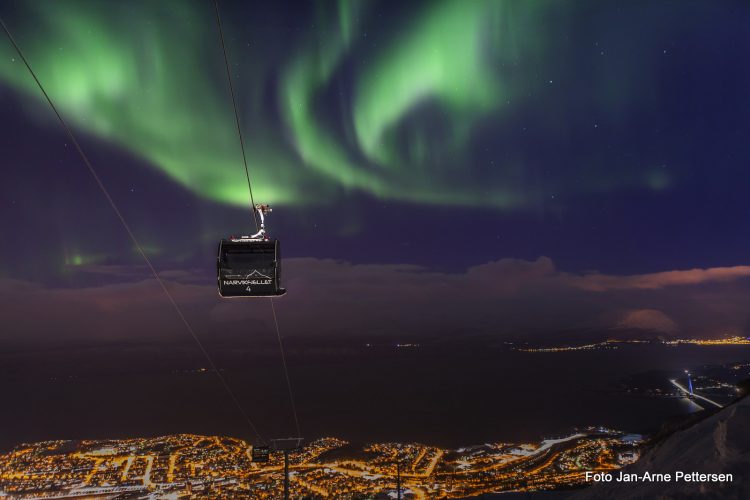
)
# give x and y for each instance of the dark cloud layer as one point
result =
(506, 298)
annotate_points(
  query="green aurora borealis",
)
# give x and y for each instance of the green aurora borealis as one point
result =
(396, 110)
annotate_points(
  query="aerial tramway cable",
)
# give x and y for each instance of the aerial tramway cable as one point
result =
(125, 225)
(286, 372)
(253, 207)
(236, 114)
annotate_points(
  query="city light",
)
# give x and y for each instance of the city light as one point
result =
(213, 466)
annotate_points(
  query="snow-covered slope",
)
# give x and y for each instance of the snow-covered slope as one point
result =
(719, 444)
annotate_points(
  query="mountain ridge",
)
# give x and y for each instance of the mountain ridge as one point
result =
(718, 444)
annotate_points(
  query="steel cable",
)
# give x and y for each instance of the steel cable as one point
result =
(125, 225)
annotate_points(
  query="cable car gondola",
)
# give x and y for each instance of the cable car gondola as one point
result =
(250, 266)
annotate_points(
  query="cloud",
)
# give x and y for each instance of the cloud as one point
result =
(508, 297)
(648, 319)
(599, 282)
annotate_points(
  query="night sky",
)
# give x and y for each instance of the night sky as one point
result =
(446, 168)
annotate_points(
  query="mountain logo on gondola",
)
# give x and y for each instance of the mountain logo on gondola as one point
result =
(254, 278)
(257, 274)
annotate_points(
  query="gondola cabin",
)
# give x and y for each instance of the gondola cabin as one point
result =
(249, 268)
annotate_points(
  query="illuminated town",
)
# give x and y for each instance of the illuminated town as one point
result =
(192, 466)
(725, 341)
(612, 344)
